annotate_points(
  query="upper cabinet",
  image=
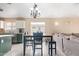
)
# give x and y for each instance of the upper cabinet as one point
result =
(20, 24)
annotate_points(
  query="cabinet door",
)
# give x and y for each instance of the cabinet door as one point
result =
(5, 44)
(19, 38)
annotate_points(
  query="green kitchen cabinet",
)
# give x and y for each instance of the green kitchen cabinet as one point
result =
(5, 44)
(19, 38)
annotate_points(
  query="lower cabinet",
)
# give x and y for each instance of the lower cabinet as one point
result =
(17, 38)
(5, 45)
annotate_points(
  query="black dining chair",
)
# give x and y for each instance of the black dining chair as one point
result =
(37, 42)
(53, 44)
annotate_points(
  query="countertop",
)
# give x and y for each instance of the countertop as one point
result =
(5, 35)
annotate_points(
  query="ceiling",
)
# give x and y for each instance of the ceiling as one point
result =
(47, 10)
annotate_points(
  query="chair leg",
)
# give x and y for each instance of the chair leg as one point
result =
(55, 48)
(41, 51)
(49, 49)
(33, 50)
(33, 53)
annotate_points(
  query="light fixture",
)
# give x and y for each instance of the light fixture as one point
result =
(34, 11)
(1, 9)
(56, 23)
(9, 3)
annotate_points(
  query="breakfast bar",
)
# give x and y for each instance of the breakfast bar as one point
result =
(5, 43)
(45, 36)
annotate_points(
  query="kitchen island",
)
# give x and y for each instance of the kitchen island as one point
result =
(5, 43)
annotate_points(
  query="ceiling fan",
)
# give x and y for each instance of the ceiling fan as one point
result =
(9, 3)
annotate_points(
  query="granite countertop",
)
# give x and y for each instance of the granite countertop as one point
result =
(5, 35)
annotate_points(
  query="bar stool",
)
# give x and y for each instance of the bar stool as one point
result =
(29, 42)
(53, 44)
(37, 42)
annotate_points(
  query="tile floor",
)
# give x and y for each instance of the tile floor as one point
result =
(17, 50)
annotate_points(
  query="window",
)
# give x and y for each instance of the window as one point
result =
(8, 26)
